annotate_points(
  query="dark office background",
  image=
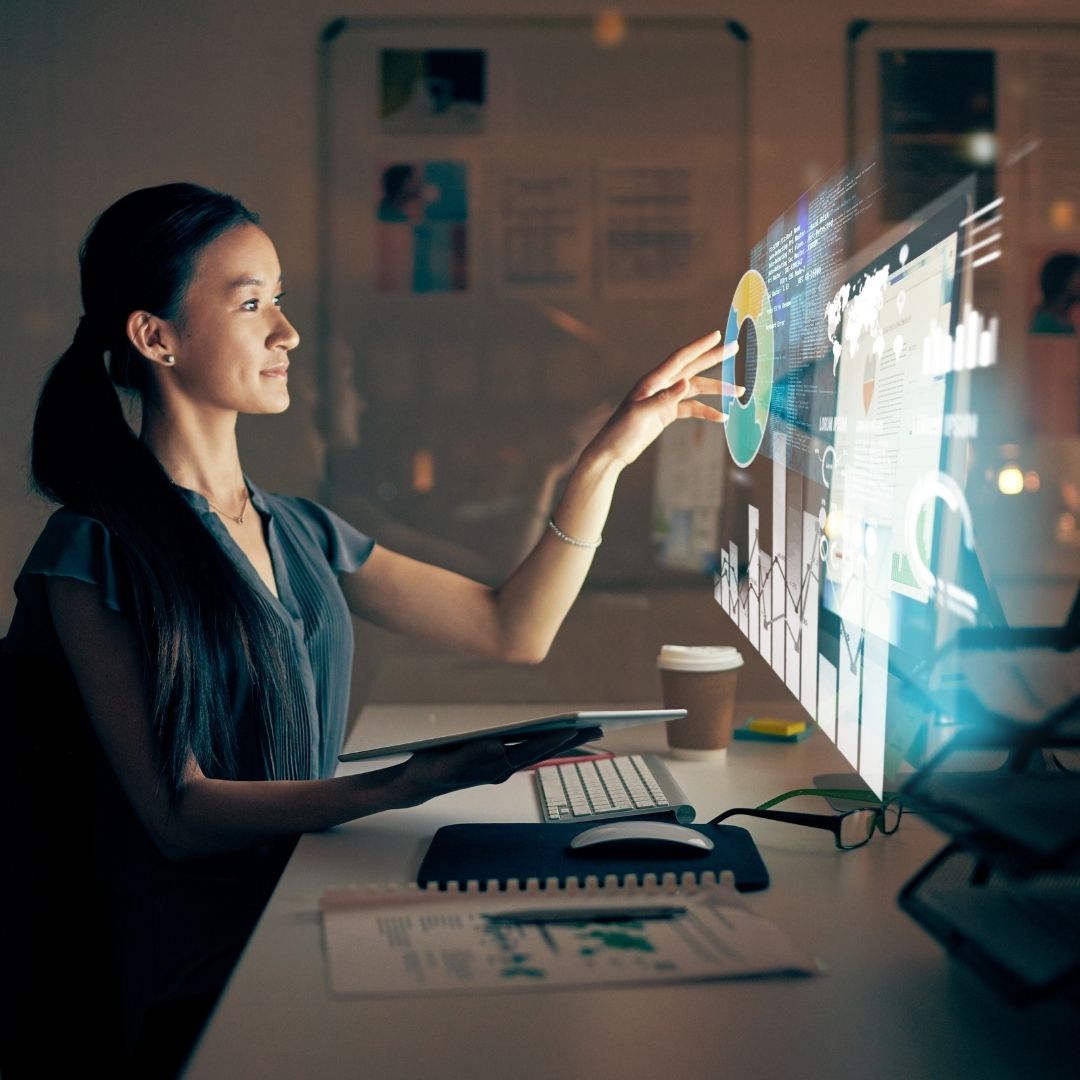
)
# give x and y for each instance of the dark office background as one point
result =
(99, 98)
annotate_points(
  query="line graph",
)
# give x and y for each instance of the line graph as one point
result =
(775, 604)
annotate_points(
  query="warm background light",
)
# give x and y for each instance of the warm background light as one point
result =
(1010, 480)
(609, 29)
(1063, 215)
(423, 472)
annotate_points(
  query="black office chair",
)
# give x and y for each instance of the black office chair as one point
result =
(59, 1007)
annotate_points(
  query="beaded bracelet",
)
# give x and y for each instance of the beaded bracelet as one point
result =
(569, 539)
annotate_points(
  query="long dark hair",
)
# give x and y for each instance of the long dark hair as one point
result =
(193, 612)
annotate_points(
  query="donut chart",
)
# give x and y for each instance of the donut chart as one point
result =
(745, 428)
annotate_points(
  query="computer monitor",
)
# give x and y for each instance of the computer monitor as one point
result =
(896, 519)
(860, 561)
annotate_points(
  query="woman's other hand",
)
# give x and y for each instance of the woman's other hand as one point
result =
(439, 771)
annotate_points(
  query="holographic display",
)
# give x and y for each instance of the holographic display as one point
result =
(852, 563)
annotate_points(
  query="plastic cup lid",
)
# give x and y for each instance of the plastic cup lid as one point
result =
(699, 658)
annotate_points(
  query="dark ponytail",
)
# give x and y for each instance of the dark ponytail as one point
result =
(194, 614)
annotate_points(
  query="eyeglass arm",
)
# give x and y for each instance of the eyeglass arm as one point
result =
(829, 822)
(832, 793)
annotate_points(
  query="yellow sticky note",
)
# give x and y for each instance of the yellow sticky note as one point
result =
(772, 726)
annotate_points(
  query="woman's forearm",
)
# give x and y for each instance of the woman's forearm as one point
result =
(215, 816)
(535, 599)
(518, 620)
(533, 602)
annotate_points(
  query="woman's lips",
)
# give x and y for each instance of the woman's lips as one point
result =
(281, 371)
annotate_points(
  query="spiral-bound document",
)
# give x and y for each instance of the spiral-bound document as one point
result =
(411, 940)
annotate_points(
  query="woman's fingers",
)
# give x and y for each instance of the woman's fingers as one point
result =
(678, 365)
(688, 363)
(687, 406)
(698, 410)
(693, 352)
(666, 394)
(537, 748)
(701, 385)
(487, 761)
(696, 362)
(684, 395)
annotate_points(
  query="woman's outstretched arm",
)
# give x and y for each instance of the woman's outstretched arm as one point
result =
(212, 816)
(518, 620)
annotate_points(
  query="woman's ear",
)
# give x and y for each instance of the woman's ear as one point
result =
(152, 336)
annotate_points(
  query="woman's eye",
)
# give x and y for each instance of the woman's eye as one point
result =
(250, 305)
(277, 299)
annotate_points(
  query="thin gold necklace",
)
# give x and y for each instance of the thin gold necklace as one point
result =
(243, 509)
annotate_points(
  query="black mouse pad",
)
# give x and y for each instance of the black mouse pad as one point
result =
(484, 852)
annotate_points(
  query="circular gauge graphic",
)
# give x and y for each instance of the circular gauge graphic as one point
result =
(917, 535)
(828, 465)
(745, 428)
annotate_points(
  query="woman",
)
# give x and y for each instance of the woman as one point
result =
(204, 624)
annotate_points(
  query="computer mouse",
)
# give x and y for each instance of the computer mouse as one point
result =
(641, 838)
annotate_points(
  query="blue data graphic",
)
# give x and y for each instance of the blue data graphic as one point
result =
(747, 421)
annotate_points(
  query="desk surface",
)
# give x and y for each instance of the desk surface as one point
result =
(892, 1004)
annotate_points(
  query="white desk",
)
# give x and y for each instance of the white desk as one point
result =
(892, 1005)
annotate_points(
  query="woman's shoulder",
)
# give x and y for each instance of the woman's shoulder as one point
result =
(67, 531)
(75, 545)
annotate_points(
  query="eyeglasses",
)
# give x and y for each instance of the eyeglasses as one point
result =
(851, 829)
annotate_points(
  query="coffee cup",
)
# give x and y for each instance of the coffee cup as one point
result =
(700, 679)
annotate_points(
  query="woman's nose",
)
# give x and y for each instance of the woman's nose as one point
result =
(285, 336)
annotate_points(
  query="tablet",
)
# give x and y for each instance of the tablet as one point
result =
(572, 721)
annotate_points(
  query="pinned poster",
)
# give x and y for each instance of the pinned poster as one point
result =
(421, 235)
(543, 230)
(650, 232)
(432, 91)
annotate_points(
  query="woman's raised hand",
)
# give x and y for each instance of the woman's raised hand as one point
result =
(668, 393)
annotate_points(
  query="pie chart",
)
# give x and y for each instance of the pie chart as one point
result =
(869, 380)
(745, 428)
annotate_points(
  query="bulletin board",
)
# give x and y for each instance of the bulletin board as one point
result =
(518, 217)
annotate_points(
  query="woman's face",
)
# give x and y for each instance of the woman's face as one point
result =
(234, 339)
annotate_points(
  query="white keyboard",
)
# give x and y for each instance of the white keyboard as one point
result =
(609, 787)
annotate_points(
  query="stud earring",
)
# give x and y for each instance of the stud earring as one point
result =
(169, 359)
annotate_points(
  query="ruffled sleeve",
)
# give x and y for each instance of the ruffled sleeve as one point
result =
(345, 547)
(75, 546)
